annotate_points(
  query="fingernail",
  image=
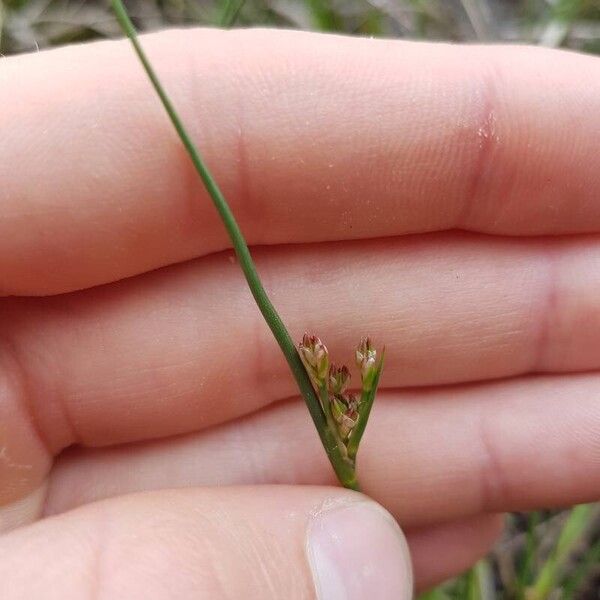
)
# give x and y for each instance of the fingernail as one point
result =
(357, 551)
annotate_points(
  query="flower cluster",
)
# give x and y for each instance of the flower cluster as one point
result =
(331, 382)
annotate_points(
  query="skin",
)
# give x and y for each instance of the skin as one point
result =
(442, 199)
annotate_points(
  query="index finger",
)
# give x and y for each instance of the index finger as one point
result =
(312, 137)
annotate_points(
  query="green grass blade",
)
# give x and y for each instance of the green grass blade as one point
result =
(574, 528)
(230, 12)
(436, 594)
(482, 585)
(583, 570)
(525, 572)
(323, 16)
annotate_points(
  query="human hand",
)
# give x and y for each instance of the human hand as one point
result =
(330, 151)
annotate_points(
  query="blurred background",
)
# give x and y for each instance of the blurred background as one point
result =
(29, 24)
(547, 554)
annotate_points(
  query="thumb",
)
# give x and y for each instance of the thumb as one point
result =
(265, 542)
(356, 550)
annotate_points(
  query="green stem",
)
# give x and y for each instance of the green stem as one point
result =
(367, 399)
(343, 470)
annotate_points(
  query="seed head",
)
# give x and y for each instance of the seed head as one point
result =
(315, 357)
(344, 408)
(338, 379)
(366, 357)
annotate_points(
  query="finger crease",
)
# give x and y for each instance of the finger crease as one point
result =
(546, 314)
(17, 373)
(26, 399)
(486, 138)
(493, 479)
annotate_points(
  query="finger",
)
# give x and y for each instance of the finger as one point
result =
(463, 543)
(312, 138)
(428, 456)
(253, 543)
(154, 356)
(149, 357)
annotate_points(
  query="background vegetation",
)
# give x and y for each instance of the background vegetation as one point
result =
(29, 24)
(543, 555)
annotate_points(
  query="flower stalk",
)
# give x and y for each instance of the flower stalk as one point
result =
(337, 420)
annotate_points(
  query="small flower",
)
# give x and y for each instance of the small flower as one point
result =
(315, 357)
(344, 409)
(366, 357)
(338, 379)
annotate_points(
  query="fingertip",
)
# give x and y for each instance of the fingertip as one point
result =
(356, 550)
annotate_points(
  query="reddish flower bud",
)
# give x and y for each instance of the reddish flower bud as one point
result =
(338, 379)
(344, 408)
(366, 357)
(315, 357)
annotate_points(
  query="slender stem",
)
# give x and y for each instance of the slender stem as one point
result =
(343, 470)
(367, 399)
